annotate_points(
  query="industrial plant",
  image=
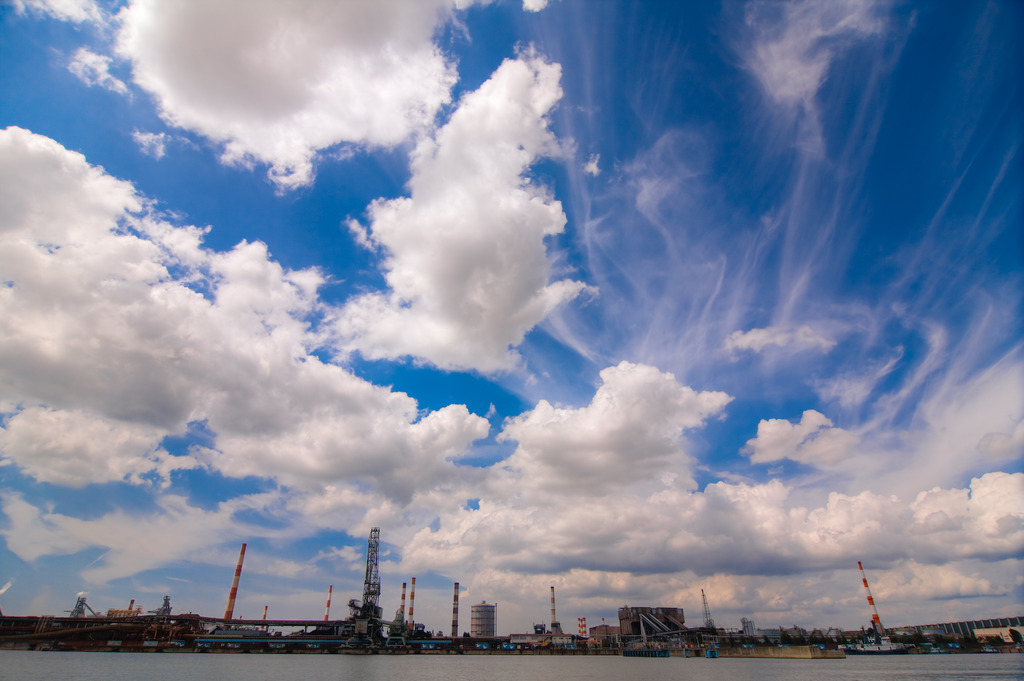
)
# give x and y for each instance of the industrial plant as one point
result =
(641, 631)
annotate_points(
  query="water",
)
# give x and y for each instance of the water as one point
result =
(50, 666)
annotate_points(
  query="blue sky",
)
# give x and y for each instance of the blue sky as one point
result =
(632, 299)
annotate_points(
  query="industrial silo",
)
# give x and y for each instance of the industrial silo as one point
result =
(484, 620)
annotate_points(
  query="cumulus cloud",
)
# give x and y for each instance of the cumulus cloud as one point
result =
(94, 69)
(986, 520)
(72, 448)
(812, 441)
(579, 503)
(465, 257)
(277, 83)
(757, 340)
(225, 340)
(629, 433)
(591, 167)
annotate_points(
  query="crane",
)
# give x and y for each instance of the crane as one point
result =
(708, 622)
(876, 623)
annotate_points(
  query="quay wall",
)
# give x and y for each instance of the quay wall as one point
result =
(784, 652)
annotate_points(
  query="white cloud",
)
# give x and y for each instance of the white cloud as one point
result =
(986, 519)
(757, 340)
(225, 341)
(794, 45)
(151, 143)
(812, 441)
(591, 167)
(134, 541)
(853, 388)
(72, 448)
(629, 434)
(76, 11)
(551, 514)
(276, 84)
(94, 69)
(1004, 446)
(534, 5)
(465, 256)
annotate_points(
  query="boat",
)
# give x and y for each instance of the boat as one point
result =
(882, 646)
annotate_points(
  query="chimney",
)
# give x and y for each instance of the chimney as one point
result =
(412, 599)
(455, 613)
(230, 610)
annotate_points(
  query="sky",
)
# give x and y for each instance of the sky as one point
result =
(630, 299)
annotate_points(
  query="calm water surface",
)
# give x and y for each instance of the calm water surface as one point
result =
(55, 666)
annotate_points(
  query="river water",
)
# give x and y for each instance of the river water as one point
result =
(55, 666)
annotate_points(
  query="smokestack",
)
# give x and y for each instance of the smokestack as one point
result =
(403, 600)
(131, 605)
(265, 608)
(230, 610)
(455, 613)
(556, 627)
(412, 599)
(327, 612)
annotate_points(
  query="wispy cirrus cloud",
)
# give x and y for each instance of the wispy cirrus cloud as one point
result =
(794, 45)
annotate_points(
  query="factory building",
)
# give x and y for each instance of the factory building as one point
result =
(604, 635)
(645, 621)
(484, 620)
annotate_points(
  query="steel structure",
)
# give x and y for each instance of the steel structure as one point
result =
(371, 585)
(876, 623)
(708, 622)
(80, 607)
(163, 611)
(367, 614)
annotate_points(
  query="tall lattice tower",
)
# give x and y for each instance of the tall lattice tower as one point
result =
(371, 586)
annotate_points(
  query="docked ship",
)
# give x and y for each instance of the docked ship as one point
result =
(883, 645)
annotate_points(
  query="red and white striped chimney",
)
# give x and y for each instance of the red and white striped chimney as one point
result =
(412, 600)
(230, 610)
